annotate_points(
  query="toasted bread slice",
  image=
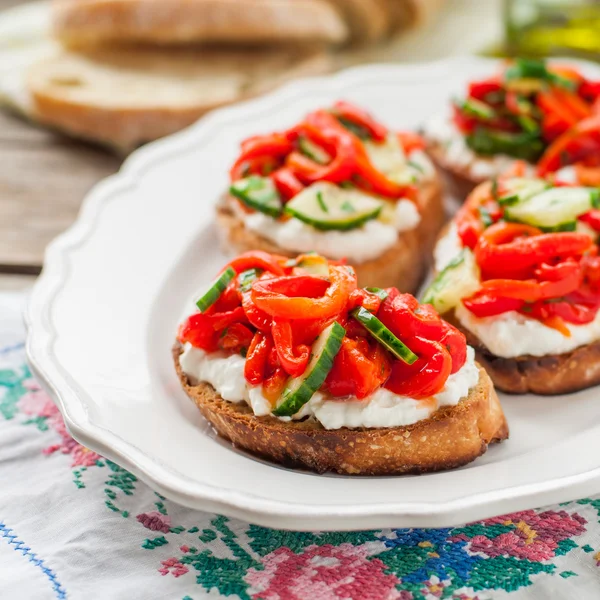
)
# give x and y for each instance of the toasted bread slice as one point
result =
(404, 265)
(85, 22)
(546, 375)
(369, 21)
(127, 96)
(451, 437)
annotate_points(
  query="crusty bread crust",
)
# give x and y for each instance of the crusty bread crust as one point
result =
(545, 375)
(403, 265)
(84, 22)
(452, 437)
(127, 96)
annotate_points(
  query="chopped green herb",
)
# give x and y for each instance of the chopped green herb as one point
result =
(486, 218)
(382, 294)
(495, 189)
(415, 165)
(357, 130)
(347, 207)
(247, 278)
(322, 202)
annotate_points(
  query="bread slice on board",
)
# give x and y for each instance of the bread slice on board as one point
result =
(369, 20)
(453, 436)
(124, 96)
(404, 265)
(83, 22)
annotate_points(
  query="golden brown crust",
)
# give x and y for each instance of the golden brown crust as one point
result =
(452, 437)
(403, 265)
(103, 94)
(546, 375)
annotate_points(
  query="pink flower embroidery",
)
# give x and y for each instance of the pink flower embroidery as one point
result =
(535, 536)
(324, 572)
(155, 521)
(38, 404)
(172, 566)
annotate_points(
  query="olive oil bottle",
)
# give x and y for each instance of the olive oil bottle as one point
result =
(553, 27)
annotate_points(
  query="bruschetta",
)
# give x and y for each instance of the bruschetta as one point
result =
(519, 275)
(342, 184)
(291, 361)
(543, 114)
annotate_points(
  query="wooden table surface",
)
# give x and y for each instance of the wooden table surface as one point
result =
(45, 176)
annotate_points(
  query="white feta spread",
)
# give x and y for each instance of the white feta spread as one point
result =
(382, 409)
(513, 334)
(357, 245)
(440, 129)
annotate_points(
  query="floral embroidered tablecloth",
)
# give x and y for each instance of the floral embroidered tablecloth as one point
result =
(75, 525)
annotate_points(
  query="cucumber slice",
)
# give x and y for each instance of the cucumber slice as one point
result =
(381, 294)
(326, 206)
(300, 390)
(476, 108)
(216, 288)
(388, 157)
(247, 278)
(383, 335)
(458, 280)
(258, 193)
(554, 207)
(519, 189)
(313, 151)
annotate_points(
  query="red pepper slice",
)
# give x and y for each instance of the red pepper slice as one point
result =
(358, 369)
(480, 89)
(293, 360)
(274, 384)
(272, 295)
(258, 318)
(259, 259)
(235, 338)
(406, 318)
(203, 331)
(489, 305)
(511, 250)
(360, 117)
(257, 358)
(361, 297)
(552, 158)
(455, 342)
(287, 183)
(411, 141)
(426, 376)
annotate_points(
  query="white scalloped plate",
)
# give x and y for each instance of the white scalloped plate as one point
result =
(103, 314)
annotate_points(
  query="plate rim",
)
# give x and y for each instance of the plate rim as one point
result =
(206, 496)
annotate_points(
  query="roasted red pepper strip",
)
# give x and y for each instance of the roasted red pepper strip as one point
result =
(489, 305)
(293, 360)
(553, 156)
(358, 369)
(271, 296)
(511, 250)
(287, 183)
(274, 384)
(360, 117)
(257, 358)
(203, 331)
(236, 338)
(425, 377)
(259, 259)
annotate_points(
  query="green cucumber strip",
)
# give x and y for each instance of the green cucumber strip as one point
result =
(300, 390)
(528, 68)
(247, 278)
(383, 335)
(477, 109)
(313, 151)
(520, 189)
(326, 206)
(216, 288)
(458, 280)
(258, 193)
(381, 294)
(555, 207)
